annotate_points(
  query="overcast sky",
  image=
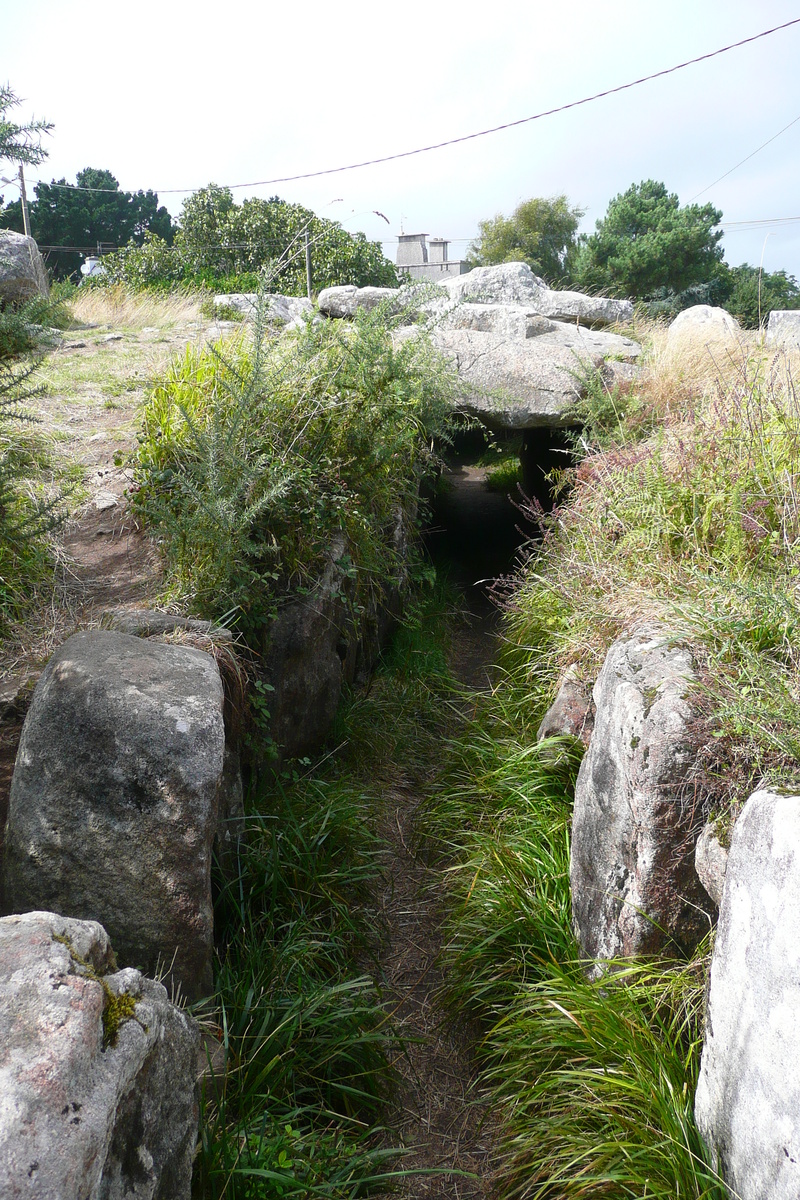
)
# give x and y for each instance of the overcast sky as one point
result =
(174, 95)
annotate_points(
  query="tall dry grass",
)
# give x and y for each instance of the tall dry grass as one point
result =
(117, 305)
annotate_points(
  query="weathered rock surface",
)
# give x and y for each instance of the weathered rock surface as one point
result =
(711, 861)
(589, 310)
(748, 1095)
(571, 713)
(529, 383)
(318, 643)
(288, 311)
(634, 885)
(512, 321)
(703, 320)
(345, 299)
(783, 327)
(22, 272)
(516, 284)
(115, 797)
(146, 622)
(83, 1114)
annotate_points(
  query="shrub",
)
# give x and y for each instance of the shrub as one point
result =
(30, 507)
(255, 456)
(228, 247)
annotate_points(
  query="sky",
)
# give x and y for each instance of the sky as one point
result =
(175, 95)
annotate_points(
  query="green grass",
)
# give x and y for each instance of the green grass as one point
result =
(308, 1041)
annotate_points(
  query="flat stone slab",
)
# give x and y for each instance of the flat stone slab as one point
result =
(530, 383)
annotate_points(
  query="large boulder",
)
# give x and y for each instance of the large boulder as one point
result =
(287, 311)
(115, 797)
(509, 283)
(345, 299)
(703, 320)
(98, 1096)
(22, 272)
(748, 1095)
(783, 328)
(530, 383)
(635, 822)
(516, 284)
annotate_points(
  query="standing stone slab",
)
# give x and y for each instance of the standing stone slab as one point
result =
(84, 1116)
(635, 822)
(114, 800)
(748, 1095)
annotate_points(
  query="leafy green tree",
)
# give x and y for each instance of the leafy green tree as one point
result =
(647, 242)
(233, 247)
(754, 294)
(64, 214)
(20, 143)
(540, 232)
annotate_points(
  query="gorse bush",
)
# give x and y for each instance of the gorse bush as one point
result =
(31, 506)
(261, 458)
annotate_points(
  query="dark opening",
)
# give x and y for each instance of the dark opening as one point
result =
(477, 527)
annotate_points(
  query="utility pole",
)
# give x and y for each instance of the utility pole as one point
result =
(308, 263)
(26, 221)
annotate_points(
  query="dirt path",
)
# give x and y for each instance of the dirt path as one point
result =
(440, 1112)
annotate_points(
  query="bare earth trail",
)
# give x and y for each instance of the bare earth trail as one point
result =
(440, 1110)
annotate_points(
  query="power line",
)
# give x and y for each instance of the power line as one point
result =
(480, 133)
(744, 160)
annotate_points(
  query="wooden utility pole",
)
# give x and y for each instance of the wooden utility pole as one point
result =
(26, 221)
(308, 264)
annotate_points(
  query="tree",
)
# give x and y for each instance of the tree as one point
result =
(539, 232)
(64, 214)
(20, 143)
(646, 243)
(754, 294)
(222, 243)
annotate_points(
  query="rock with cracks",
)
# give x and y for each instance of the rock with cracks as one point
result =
(97, 1070)
(515, 283)
(533, 382)
(748, 1095)
(22, 272)
(635, 822)
(115, 795)
(286, 311)
(344, 300)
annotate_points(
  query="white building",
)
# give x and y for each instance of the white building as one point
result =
(419, 258)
